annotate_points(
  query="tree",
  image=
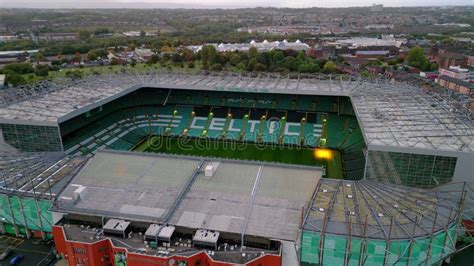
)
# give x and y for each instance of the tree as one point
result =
(251, 64)
(83, 35)
(208, 54)
(153, 59)
(426, 66)
(277, 56)
(74, 74)
(301, 56)
(416, 57)
(329, 67)
(235, 59)
(241, 66)
(132, 47)
(313, 67)
(308, 68)
(14, 78)
(142, 34)
(253, 52)
(216, 67)
(259, 67)
(19, 68)
(392, 62)
(291, 63)
(42, 70)
(100, 31)
(92, 56)
(175, 57)
(187, 55)
(39, 56)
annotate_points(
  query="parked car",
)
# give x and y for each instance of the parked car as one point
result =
(16, 260)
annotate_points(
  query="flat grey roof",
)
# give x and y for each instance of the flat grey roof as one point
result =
(116, 225)
(390, 113)
(206, 236)
(250, 198)
(129, 186)
(257, 199)
(153, 230)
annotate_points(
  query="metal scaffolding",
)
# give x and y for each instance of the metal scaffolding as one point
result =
(29, 183)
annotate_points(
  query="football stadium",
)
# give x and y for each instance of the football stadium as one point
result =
(204, 168)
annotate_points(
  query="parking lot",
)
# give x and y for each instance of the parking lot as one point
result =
(34, 253)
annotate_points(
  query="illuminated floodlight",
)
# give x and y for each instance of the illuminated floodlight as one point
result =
(325, 154)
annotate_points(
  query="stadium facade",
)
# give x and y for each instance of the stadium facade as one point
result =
(388, 140)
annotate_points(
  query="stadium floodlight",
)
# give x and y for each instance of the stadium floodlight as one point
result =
(322, 142)
(326, 154)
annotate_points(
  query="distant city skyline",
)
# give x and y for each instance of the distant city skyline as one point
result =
(221, 3)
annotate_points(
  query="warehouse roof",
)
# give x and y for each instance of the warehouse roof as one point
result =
(390, 113)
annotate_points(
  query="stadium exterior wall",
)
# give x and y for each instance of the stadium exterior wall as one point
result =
(463, 169)
(329, 249)
(30, 136)
(25, 216)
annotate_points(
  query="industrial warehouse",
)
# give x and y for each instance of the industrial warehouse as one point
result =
(226, 168)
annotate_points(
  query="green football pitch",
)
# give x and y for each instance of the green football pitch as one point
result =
(242, 151)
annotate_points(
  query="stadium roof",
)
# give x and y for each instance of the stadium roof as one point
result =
(380, 210)
(38, 174)
(249, 198)
(390, 113)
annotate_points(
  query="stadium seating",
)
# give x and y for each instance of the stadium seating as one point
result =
(252, 117)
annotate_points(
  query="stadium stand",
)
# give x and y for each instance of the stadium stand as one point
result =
(292, 120)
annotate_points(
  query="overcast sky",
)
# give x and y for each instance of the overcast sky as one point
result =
(220, 3)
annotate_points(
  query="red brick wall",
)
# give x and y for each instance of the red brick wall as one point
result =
(102, 253)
